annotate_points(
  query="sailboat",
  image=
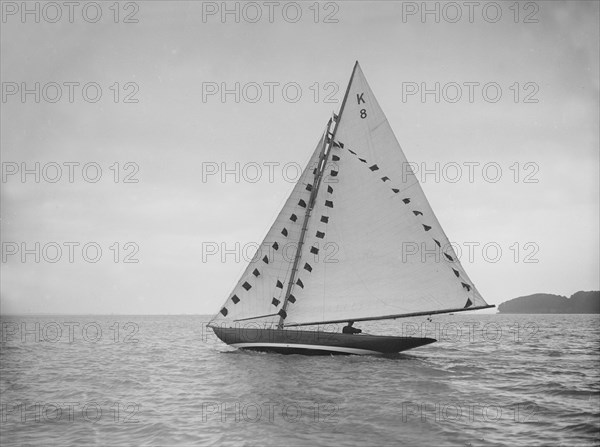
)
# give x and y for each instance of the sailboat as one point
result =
(339, 249)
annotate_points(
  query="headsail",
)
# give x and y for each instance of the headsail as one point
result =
(261, 289)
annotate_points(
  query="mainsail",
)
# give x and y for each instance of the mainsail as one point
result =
(372, 246)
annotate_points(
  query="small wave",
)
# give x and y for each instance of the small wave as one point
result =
(584, 428)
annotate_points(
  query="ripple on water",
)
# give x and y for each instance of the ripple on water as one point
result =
(177, 387)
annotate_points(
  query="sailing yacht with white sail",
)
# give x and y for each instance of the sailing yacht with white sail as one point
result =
(353, 195)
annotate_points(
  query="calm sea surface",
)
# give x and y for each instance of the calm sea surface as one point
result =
(166, 380)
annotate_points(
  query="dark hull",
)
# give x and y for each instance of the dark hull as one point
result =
(297, 341)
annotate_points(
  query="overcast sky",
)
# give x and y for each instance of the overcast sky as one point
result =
(533, 152)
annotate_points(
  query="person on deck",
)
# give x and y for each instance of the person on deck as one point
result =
(350, 330)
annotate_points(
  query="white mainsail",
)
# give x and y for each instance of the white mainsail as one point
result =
(373, 248)
(384, 251)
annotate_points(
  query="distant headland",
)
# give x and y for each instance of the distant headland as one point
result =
(546, 303)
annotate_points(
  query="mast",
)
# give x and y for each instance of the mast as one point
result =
(327, 141)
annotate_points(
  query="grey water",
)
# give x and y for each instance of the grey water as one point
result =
(490, 380)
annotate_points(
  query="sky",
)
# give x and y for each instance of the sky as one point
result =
(147, 149)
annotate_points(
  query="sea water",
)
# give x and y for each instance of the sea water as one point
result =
(167, 380)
